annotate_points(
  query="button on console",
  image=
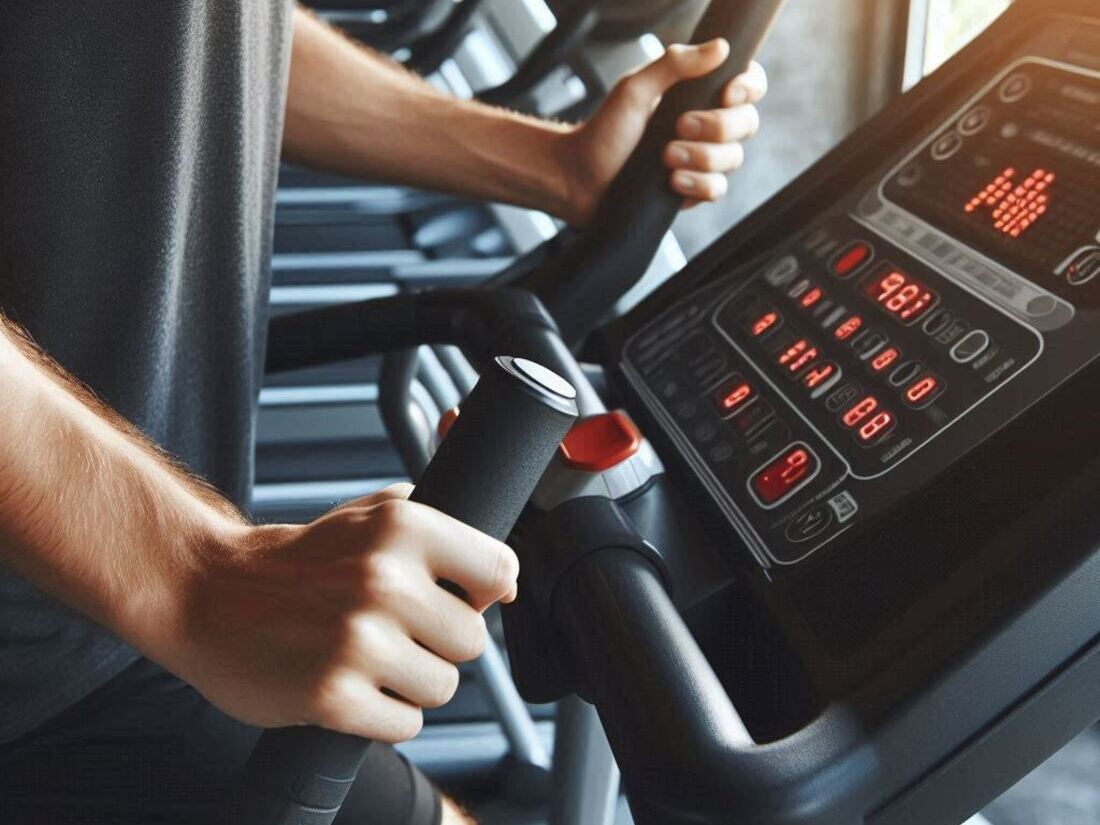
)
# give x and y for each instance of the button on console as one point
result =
(732, 395)
(970, 347)
(905, 373)
(784, 475)
(809, 523)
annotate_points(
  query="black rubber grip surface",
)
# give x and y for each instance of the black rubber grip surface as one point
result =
(483, 474)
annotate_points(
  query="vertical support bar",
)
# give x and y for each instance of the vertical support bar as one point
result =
(585, 787)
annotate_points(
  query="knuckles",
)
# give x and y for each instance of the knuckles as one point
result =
(471, 642)
(443, 689)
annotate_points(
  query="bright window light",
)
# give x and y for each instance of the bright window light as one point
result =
(954, 23)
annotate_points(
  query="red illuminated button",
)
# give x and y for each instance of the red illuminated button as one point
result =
(600, 442)
(446, 421)
(763, 322)
(820, 374)
(875, 428)
(923, 391)
(811, 297)
(856, 413)
(884, 359)
(785, 474)
(802, 361)
(733, 394)
(851, 258)
(795, 352)
(848, 328)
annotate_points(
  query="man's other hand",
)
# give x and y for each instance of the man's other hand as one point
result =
(708, 143)
(342, 622)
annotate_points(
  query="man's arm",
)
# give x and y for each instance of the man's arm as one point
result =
(339, 623)
(352, 111)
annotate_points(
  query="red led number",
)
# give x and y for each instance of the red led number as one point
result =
(817, 374)
(848, 328)
(885, 358)
(798, 355)
(796, 464)
(1016, 207)
(764, 323)
(737, 396)
(811, 298)
(903, 297)
(923, 390)
(781, 477)
(876, 427)
(860, 410)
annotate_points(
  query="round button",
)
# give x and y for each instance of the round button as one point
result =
(974, 121)
(809, 523)
(1015, 88)
(910, 176)
(947, 146)
(782, 271)
(972, 345)
(1041, 305)
(545, 378)
(905, 373)
(1083, 268)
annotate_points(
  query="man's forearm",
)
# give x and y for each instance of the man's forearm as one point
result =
(355, 112)
(89, 511)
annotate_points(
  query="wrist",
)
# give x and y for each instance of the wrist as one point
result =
(153, 613)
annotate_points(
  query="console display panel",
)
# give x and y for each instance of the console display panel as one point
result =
(1014, 176)
(907, 320)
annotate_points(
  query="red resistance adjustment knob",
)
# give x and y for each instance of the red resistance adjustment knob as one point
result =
(600, 442)
(446, 421)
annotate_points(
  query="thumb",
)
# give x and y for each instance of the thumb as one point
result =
(678, 63)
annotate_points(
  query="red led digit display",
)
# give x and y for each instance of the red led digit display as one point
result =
(923, 391)
(732, 394)
(885, 358)
(1014, 207)
(860, 410)
(764, 323)
(904, 297)
(848, 328)
(876, 428)
(802, 360)
(811, 298)
(817, 374)
(794, 467)
(736, 397)
(793, 352)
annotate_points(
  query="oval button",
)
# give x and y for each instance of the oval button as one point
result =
(970, 347)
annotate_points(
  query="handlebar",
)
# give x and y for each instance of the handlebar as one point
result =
(483, 474)
(579, 286)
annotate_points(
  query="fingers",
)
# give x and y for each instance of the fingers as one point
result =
(719, 125)
(442, 622)
(349, 702)
(401, 490)
(679, 62)
(699, 186)
(417, 675)
(749, 87)
(483, 567)
(704, 157)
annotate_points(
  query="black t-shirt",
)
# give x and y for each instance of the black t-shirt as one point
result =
(139, 144)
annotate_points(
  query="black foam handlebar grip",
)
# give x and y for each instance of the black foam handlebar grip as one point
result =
(639, 207)
(482, 474)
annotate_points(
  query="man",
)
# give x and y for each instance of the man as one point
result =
(138, 154)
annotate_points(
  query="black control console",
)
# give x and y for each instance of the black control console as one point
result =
(923, 310)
